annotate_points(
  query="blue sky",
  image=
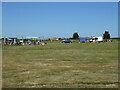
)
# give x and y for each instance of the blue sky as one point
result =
(59, 19)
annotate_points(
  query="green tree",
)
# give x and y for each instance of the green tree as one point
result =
(75, 35)
(106, 35)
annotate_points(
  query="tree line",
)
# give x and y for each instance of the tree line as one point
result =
(106, 35)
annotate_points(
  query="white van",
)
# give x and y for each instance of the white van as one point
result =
(96, 39)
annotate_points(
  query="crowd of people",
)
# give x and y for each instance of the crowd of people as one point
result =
(23, 42)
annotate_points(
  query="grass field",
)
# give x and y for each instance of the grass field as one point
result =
(57, 65)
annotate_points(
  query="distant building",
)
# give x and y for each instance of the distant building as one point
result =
(54, 39)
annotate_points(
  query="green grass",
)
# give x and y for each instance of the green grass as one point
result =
(57, 65)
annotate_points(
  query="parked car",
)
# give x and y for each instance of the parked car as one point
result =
(66, 41)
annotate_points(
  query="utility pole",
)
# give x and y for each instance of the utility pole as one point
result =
(4, 40)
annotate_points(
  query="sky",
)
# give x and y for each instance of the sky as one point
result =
(59, 19)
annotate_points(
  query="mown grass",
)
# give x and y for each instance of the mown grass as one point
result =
(57, 65)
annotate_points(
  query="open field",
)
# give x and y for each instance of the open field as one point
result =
(57, 65)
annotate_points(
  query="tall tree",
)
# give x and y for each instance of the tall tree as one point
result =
(106, 35)
(75, 35)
